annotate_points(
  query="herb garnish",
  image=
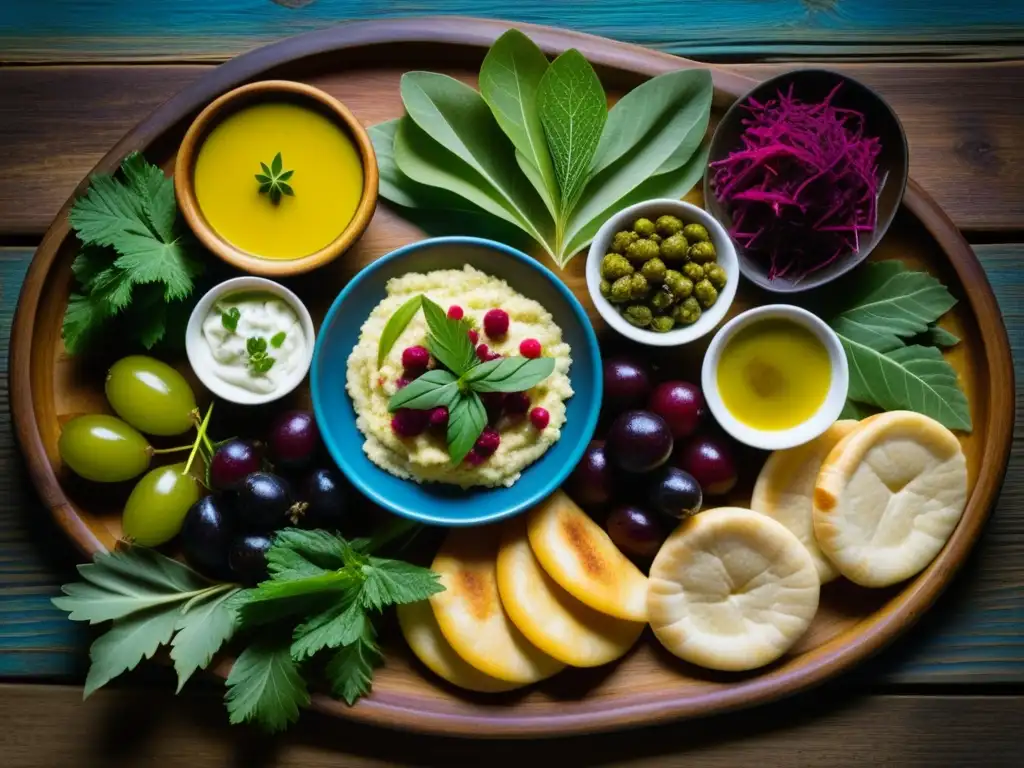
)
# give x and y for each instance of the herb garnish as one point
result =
(137, 263)
(322, 596)
(259, 360)
(278, 339)
(538, 146)
(464, 376)
(230, 319)
(273, 180)
(894, 305)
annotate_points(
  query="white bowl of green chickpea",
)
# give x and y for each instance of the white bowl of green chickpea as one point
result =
(662, 272)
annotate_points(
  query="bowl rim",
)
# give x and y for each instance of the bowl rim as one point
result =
(218, 109)
(710, 319)
(193, 333)
(403, 510)
(853, 260)
(829, 410)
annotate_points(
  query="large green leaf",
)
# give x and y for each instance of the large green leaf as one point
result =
(573, 111)
(129, 641)
(510, 78)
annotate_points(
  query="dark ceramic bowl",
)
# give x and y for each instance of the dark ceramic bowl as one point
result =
(893, 165)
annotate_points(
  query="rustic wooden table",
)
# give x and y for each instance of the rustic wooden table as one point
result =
(76, 74)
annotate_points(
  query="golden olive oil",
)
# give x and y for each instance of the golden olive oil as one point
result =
(774, 374)
(327, 180)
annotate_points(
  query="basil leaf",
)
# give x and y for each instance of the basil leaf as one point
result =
(434, 388)
(509, 81)
(510, 374)
(448, 340)
(395, 325)
(573, 111)
(466, 420)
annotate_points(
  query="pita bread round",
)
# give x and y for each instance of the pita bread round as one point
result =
(889, 496)
(785, 490)
(731, 590)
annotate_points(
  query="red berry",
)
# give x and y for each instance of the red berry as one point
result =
(517, 403)
(402, 382)
(474, 335)
(415, 358)
(408, 422)
(540, 418)
(438, 416)
(455, 312)
(494, 403)
(485, 354)
(496, 323)
(488, 442)
(529, 348)
(474, 458)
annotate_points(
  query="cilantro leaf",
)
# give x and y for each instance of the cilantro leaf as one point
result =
(126, 643)
(265, 685)
(350, 670)
(201, 630)
(395, 582)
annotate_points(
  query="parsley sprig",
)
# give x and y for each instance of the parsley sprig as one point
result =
(260, 360)
(458, 385)
(273, 180)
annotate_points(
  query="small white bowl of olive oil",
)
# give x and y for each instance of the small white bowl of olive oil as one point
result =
(775, 377)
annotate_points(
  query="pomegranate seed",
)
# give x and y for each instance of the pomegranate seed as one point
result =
(415, 358)
(408, 423)
(402, 382)
(540, 418)
(483, 352)
(493, 403)
(455, 312)
(475, 459)
(474, 336)
(517, 403)
(438, 416)
(488, 442)
(529, 348)
(496, 323)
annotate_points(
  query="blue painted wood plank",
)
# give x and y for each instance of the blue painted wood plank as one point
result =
(110, 29)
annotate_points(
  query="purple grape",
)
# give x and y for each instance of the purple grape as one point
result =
(248, 558)
(639, 441)
(635, 531)
(205, 536)
(680, 404)
(326, 495)
(231, 463)
(591, 483)
(294, 438)
(627, 384)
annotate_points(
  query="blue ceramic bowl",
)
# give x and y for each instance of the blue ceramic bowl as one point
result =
(437, 503)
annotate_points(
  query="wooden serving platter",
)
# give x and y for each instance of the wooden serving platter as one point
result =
(361, 65)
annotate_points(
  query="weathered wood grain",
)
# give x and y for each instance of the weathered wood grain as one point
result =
(963, 122)
(974, 634)
(49, 726)
(94, 30)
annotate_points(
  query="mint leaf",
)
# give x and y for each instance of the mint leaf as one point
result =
(265, 686)
(278, 339)
(229, 319)
(395, 325)
(434, 388)
(466, 420)
(509, 374)
(318, 551)
(129, 641)
(449, 339)
(395, 582)
(350, 670)
(201, 631)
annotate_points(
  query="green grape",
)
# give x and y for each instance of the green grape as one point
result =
(103, 448)
(151, 396)
(157, 505)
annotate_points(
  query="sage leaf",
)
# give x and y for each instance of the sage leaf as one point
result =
(913, 378)
(432, 389)
(510, 374)
(466, 420)
(449, 339)
(456, 117)
(510, 79)
(201, 631)
(573, 111)
(129, 641)
(395, 325)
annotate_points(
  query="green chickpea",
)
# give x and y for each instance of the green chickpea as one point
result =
(642, 250)
(680, 285)
(702, 252)
(693, 271)
(687, 313)
(705, 293)
(614, 266)
(606, 288)
(662, 299)
(662, 324)
(638, 286)
(716, 274)
(643, 227)
(654, 270)
(655, 238)
(674, 247)
(668, 225)
(621, 290)
(696, 233)
(638, 315)
(621, 240)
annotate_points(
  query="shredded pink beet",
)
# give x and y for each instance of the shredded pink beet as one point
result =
(804, 185)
